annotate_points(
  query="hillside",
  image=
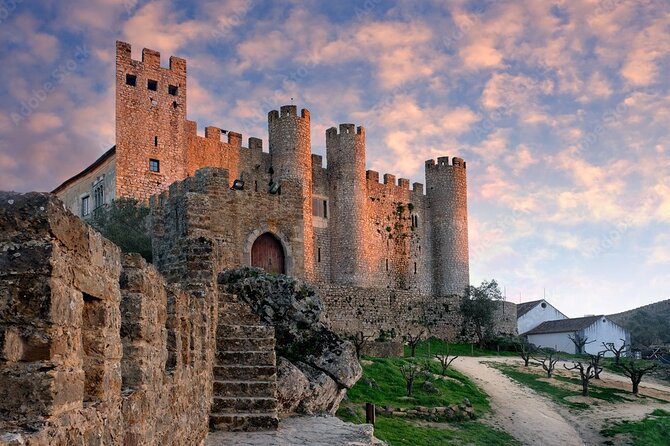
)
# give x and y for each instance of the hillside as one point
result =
(648, 324)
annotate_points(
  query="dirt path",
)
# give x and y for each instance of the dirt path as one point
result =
(518, 410)
(535, 420)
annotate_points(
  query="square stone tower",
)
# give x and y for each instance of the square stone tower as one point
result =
(150, 123)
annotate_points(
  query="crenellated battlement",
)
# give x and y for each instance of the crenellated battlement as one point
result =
(215, 134)
(345, 129)
(444, 161)
(150, 58)
(287, 111)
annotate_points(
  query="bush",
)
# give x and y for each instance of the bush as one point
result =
(125, 223)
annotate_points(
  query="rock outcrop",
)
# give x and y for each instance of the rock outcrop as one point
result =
(316, 366)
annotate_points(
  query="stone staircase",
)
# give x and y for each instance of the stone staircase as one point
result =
(245, 372)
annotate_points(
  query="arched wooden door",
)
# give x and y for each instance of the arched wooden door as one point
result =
(267, 253)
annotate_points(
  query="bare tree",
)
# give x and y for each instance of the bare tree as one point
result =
(595, 360)
(635, 370)
(587, 371)
(580, 342)
(548, 360)
(413, 340)
(410, 371)
(617, 351)
(445, 361)
(525, 350)
(359, 340)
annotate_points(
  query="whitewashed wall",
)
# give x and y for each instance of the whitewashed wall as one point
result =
(602, 330)
(538, 315)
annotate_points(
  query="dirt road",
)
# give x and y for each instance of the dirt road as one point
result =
(529, 418)
(535, 420)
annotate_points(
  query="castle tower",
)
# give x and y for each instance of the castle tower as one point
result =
(150, 123)
(345, 152)
(446, 193)
(291, 153)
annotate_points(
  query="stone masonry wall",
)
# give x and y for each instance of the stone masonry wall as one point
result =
(94, 347)
(351, 310)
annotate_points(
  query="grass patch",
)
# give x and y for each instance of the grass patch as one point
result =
(390, 387)
(398, 432)
(430, 347)
(653, 430)
(557, 393)
(389, 390)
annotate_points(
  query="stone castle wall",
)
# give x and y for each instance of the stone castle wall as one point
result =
(95, 348)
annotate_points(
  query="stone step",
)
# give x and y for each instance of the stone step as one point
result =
(246, 344)
(237, 404)
(248, 357)
(238, 319)
(244, 331)
(247, 422)
(244, 372)
(245, 388)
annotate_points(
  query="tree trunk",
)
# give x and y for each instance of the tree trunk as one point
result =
(410, 386)
(413, 346)
(585, 388)
(525, 361)
(636, 386)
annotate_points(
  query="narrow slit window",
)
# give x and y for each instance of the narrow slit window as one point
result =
(173, 90)
(414, 267)
(152, 85)
(318, 255)
(325, 209)
(155, 141)
(131, 80)
(154, 165)
(387, 264)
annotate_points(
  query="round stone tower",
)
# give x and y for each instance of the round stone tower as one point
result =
(291, 153)
(345, 152)
(447, 196)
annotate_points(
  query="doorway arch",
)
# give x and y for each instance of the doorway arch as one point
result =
(267, 253)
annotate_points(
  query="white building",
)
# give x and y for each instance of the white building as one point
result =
(555, 334)
(531, 314)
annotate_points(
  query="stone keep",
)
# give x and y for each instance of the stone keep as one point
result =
(335, 226)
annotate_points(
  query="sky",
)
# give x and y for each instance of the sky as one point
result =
(560, 109)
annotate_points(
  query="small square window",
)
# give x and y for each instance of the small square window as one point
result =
(154, 165)
(173, 90)
(131, 80)
(152, 85)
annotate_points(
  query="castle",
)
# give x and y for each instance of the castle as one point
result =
(378, 251)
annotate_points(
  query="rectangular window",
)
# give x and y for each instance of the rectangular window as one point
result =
(98, 195)
(152, 85)
(131, 80)
(319, 207)
(154, 165)
(173, 90)
(85, 206)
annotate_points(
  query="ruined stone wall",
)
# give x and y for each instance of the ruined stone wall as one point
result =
(94, 348)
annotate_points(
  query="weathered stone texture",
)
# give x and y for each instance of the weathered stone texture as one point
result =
(85, 337)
